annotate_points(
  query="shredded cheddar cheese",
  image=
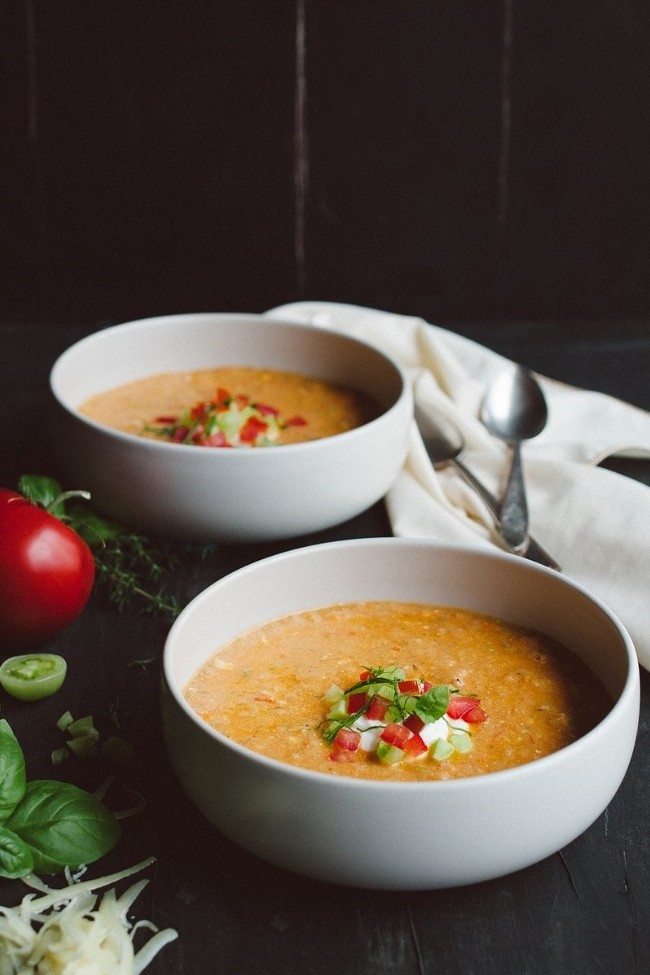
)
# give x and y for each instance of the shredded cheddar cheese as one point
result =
(71, 931)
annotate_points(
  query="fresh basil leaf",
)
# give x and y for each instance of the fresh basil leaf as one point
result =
(12, 771)
(433, 704)
(39, 488)
(63, 826)
(16, 859)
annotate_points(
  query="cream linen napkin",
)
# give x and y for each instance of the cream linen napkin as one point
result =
(596, 523)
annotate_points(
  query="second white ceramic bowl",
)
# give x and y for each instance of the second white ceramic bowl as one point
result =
(185, 491)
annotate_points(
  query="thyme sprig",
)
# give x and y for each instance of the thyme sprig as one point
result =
(130, 568)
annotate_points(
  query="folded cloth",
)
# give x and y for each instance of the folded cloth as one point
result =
(595, 522)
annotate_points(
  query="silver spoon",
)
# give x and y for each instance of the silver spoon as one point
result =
(444, 442)
(514, 409)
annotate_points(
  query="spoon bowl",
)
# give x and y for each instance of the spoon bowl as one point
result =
(514, 409)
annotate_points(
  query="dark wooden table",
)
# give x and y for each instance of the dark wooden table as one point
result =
(585, 909)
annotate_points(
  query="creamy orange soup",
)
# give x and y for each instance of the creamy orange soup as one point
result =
(265, 690)
(327, 409)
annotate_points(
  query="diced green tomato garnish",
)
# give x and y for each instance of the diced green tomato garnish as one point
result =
(441, 749)
(394, 673)
(461, 740)
(395, 734)
(377, 709)
(355, 703)
(332, 694)
(339, 709)
(389, 754)
(415, 746)
(32, 676)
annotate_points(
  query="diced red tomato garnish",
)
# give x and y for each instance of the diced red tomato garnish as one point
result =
(475, 715)
(345, 745)
(395, 734)
(221, 398)
(295, 421)
(377, 709)
(266, 410)
(356, 702)
(217, 439)
(252, 429)
(364, 675)
(414, 723)
(167, 421)
(459, 706)
(415, 746)
(348, 739)
(408, 687)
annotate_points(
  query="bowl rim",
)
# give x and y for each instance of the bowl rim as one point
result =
(628, 696)
(404, 394)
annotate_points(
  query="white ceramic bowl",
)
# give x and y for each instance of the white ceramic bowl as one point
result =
(400, 835)
(233, 495)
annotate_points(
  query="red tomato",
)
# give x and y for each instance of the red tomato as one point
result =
(46, 572)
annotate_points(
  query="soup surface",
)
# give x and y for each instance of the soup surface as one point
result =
(266, 689)
(296, 407)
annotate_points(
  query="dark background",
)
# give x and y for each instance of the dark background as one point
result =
(463, 160)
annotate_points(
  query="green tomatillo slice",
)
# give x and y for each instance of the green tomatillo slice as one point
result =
(32, 676)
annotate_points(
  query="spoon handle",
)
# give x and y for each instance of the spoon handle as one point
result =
(532, 549)
(514, 509)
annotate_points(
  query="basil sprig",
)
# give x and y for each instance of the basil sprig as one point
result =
(47, 825)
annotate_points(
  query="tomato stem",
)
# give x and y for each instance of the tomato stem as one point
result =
(64, 496)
